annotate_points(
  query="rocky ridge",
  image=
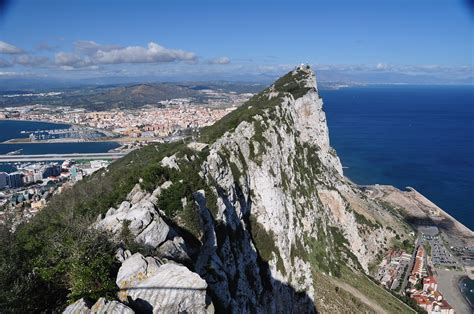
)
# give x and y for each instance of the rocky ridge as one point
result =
(250, 214)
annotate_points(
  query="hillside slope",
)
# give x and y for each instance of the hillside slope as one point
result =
(252, 215)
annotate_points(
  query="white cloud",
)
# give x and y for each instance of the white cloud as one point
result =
(90, 53)
(220, 60)
(7, 48)
(29, 60)
(90, 47)
(153, 53)
(382, 66)
(71, 60)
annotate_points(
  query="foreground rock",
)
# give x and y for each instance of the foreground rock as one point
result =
(161, 288)
(141, 218)
(135, 269)
(101, 306)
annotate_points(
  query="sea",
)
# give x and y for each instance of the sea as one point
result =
(466, 286)
(418, 136)
(10, 129)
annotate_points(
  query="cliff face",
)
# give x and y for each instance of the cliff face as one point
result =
(263, 211)
(279, 186)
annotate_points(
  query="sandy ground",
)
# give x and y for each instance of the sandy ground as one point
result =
(448, 285)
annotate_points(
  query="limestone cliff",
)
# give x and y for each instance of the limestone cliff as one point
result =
(257, 210)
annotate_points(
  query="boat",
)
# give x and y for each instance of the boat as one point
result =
(15, 152)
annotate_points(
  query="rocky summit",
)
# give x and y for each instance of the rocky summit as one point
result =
(252, 214)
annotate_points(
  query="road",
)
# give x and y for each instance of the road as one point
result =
(410, 266)
(50, 157)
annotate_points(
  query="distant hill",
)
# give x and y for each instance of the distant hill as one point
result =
(124, 96)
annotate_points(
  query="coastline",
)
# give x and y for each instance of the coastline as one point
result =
(460, 226)
(25, 140)
(72, 140)
(41, 121)
(419, 211)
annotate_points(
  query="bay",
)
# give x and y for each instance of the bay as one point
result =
(12, 129)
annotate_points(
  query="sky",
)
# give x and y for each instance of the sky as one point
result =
(343, 40)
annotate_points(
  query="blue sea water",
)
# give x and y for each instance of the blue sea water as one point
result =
(466, 286)
(415, 136)
(12, 129)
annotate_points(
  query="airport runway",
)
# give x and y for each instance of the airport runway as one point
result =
(51, 157)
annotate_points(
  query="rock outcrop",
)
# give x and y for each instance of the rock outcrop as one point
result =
(102, 306)
(172, 288)
(151, 286)
(140, 216)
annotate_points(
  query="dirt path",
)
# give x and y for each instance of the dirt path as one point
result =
(373, 305)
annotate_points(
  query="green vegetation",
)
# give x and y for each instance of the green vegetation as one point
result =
(320, 255)
(56, 258)
(405, 245)
(405, 269)
(47, 262)
(257, 105)
(170, 199)
(327, 289)
(186, 181)
(293, 84)
(362, 220)
(410, 302)
(263, 240)
(297, 249)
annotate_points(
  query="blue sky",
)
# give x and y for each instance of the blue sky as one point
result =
(180, 39)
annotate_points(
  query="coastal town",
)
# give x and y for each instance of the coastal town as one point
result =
(149, 122)
(413, 274)
(138, 124)
(26, 191)
(432, 271)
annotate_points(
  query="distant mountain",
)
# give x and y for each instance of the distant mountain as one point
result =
(384, 77)
(106, 97)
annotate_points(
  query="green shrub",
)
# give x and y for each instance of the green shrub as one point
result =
(264, 240)
(170, 199)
